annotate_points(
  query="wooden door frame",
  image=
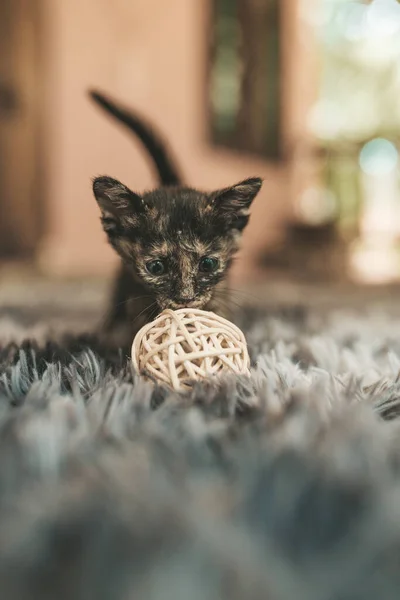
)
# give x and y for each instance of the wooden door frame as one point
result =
(21, 205)
(298, 60)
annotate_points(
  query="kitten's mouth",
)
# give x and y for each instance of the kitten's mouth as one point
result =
(177, 304)
(193, 304)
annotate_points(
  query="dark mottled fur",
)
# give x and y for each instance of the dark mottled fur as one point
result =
(176, 224)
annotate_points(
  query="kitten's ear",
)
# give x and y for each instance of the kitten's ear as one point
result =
(115, 199)
(233, 203)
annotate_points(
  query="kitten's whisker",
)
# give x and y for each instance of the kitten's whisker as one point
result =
(154, 312)
(104, 317)
(131, 300)
(235, 291)
(242, 291)
(149, 307)
(227, 298)
(226, 305)
(140, 297)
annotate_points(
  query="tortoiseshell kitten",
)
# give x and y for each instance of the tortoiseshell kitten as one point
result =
(176, 243)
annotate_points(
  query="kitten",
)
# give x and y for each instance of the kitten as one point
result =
(176, 243)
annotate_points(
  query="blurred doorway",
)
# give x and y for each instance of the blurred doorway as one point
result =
(244, 76)
(19, 166)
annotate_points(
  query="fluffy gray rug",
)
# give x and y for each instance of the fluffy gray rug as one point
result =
(285, 487)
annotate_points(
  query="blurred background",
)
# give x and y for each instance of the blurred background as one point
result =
(305, 93)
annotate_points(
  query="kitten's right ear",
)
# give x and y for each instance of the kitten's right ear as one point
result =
(233, 203)
(116, 201)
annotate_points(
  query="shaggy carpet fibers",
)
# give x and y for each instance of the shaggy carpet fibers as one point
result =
(285, 487)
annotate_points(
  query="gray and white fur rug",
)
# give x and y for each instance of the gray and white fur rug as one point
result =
(284, 487)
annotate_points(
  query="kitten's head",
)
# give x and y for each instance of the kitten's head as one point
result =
(178, 241)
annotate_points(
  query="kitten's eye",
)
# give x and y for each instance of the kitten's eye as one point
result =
(155, 267)
(208, 264)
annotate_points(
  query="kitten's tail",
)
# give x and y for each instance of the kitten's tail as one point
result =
(167, 171)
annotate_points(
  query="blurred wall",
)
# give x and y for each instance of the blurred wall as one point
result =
(150, 54)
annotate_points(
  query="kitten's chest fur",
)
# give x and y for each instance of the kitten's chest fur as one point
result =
(133, 306)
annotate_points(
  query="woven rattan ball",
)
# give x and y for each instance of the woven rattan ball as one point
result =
(182, 346)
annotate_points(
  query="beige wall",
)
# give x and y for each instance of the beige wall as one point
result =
(149, 53)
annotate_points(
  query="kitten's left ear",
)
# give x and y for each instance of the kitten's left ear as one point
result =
(233, 203)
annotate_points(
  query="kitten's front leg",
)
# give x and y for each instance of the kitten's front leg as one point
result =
(131, 308)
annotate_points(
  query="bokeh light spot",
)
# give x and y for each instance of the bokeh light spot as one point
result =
(378, 157)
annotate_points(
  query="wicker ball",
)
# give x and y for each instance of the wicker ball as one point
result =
(182, 346)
